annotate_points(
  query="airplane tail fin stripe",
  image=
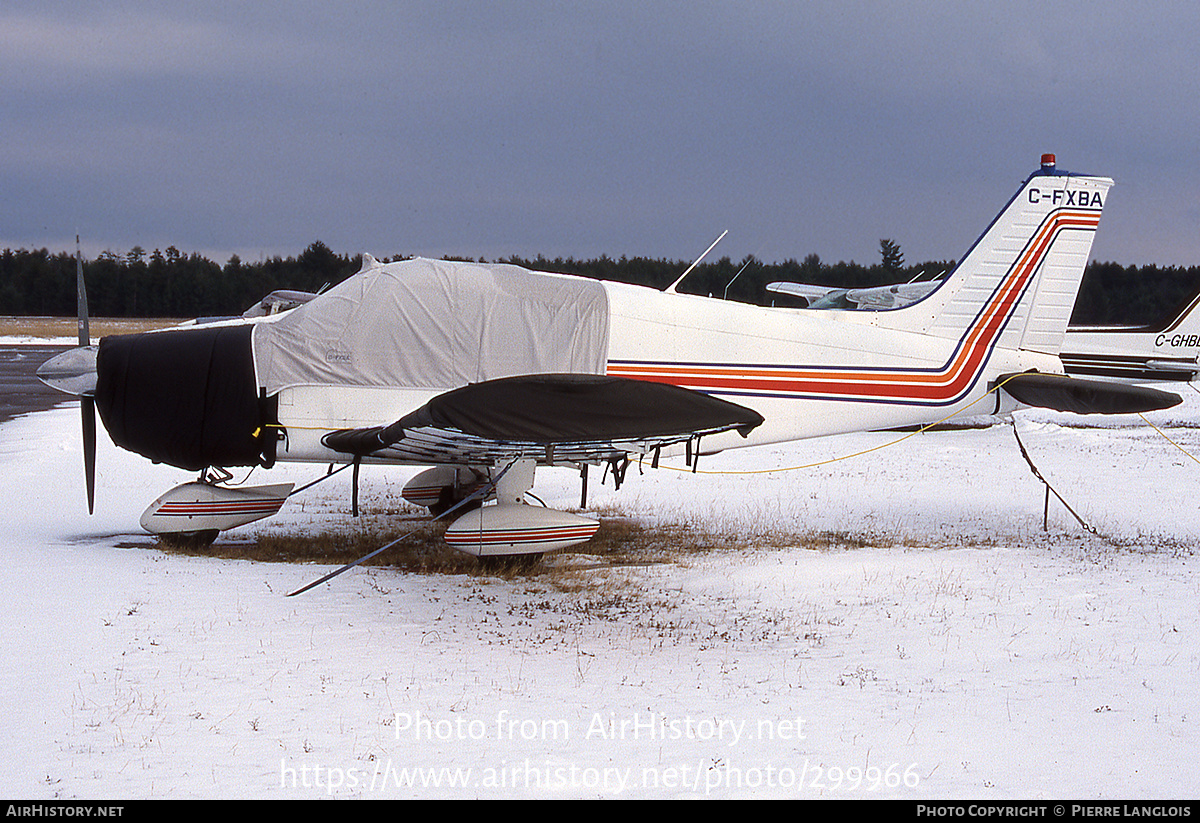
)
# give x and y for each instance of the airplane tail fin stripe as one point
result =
(1050, 222)
(1015, 289)
(1007, 303)
(937, 386)
(1188, 315)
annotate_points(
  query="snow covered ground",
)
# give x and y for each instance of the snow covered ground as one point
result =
(936, 644)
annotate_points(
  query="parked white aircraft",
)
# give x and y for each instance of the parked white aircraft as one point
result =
(487, 371)
(1138, 353)
(868, 298)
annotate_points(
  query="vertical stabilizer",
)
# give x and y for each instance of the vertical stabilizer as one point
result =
(1018, 283)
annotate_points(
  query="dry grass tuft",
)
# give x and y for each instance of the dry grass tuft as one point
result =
(422, 551)
(49, 327)
(621, 541)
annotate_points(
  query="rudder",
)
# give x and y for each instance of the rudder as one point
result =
(1018, 283)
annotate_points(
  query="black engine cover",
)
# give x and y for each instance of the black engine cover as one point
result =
(186, 397)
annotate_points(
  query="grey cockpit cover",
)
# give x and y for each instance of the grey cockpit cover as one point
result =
(435, 324)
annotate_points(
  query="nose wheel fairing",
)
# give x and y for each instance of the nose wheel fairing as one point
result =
(198, 507)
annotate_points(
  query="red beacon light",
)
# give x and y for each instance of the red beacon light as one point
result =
(1048, 162)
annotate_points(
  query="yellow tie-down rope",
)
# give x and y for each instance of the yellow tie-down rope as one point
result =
(1165, 437)
(897, 441)
(926, 427)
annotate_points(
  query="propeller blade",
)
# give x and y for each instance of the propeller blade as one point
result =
(81, 297)
(87, 406)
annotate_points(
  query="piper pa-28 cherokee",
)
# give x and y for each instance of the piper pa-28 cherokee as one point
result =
(486, 372)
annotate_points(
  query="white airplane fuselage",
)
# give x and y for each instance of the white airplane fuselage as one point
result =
(752, 355)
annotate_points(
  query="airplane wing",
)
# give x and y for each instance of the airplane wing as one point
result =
(872, 298)
(280, 300)
(554, 418)
(891, 297)
(805, 290)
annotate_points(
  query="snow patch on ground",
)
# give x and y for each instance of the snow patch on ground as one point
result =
(936, 642)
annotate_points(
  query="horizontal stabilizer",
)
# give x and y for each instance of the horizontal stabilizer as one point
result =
(1070, 394)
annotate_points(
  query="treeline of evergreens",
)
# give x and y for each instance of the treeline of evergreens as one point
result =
(158, 284)
(173, 284)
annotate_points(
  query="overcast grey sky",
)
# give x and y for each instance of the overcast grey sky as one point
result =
(588, 128)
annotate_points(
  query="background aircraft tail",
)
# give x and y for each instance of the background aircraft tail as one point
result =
(1168, 351)
(1017, 285)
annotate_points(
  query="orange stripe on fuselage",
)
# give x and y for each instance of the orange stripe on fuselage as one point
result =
(934, 385)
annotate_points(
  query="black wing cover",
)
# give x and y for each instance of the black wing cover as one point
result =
(575, 413)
